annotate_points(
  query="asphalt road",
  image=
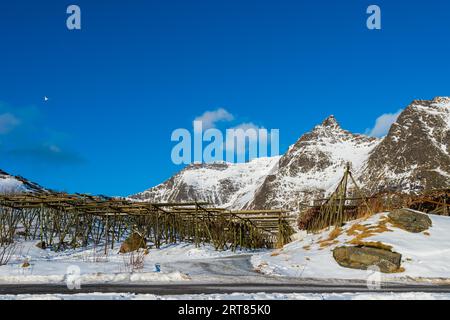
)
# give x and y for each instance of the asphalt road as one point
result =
(195, 288)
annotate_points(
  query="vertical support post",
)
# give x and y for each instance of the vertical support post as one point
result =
(106, 234)
(41, 226)
(343, 195)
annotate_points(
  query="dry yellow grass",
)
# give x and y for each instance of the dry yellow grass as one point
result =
(427, 233)
(372, 244)
(328, 243)
(361, 231)
(307, 247)
(356, 229)
(336, 232)
(400, 270)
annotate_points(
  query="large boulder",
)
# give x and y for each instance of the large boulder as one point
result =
(410, 220)
(134, 242)
(364, 257)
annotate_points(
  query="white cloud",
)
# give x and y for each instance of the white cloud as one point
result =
(247, 125)
(210, 118)
(241, 149)
(383, 124)
(7, 122)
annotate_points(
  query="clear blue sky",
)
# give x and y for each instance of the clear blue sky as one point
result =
(139, 69)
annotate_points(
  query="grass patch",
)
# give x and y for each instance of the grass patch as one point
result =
(361, 231)
(336, 232)
(372, 244)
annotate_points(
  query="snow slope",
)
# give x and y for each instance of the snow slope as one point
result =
(229, 185)
(14, 184)
(424, 255)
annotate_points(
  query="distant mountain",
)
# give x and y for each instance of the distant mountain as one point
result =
(230, 185)
(17, 184)
(415, 155)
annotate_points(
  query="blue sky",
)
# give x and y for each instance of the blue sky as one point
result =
(138, 70)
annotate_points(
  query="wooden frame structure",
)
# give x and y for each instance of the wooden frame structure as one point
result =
(62, 221)
(340, 207)
(336, 209)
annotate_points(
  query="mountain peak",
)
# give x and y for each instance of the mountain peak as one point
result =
(330, 122)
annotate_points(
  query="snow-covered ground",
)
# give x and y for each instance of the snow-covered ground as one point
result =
(237, 296)
(94, 266)
(425, 256)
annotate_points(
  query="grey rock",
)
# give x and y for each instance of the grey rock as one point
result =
(410, 220)
(365, 257)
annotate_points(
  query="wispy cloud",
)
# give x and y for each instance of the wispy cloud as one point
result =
(383, 124)
(24, 136)
(46, 154)
(210, 118)
(8, 122)
(246, 126)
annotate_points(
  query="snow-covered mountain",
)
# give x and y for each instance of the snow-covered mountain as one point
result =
(15, 184)
(230, 185)
(415, 155)
(313, 166)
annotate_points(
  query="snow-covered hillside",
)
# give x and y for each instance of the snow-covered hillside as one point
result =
(425, 255)
(15, 184)
(224, 184)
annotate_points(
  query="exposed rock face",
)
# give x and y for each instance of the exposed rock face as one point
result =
(134, 242)
(313, 166)
(415, 155)
(365, 257)
(410, 220)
